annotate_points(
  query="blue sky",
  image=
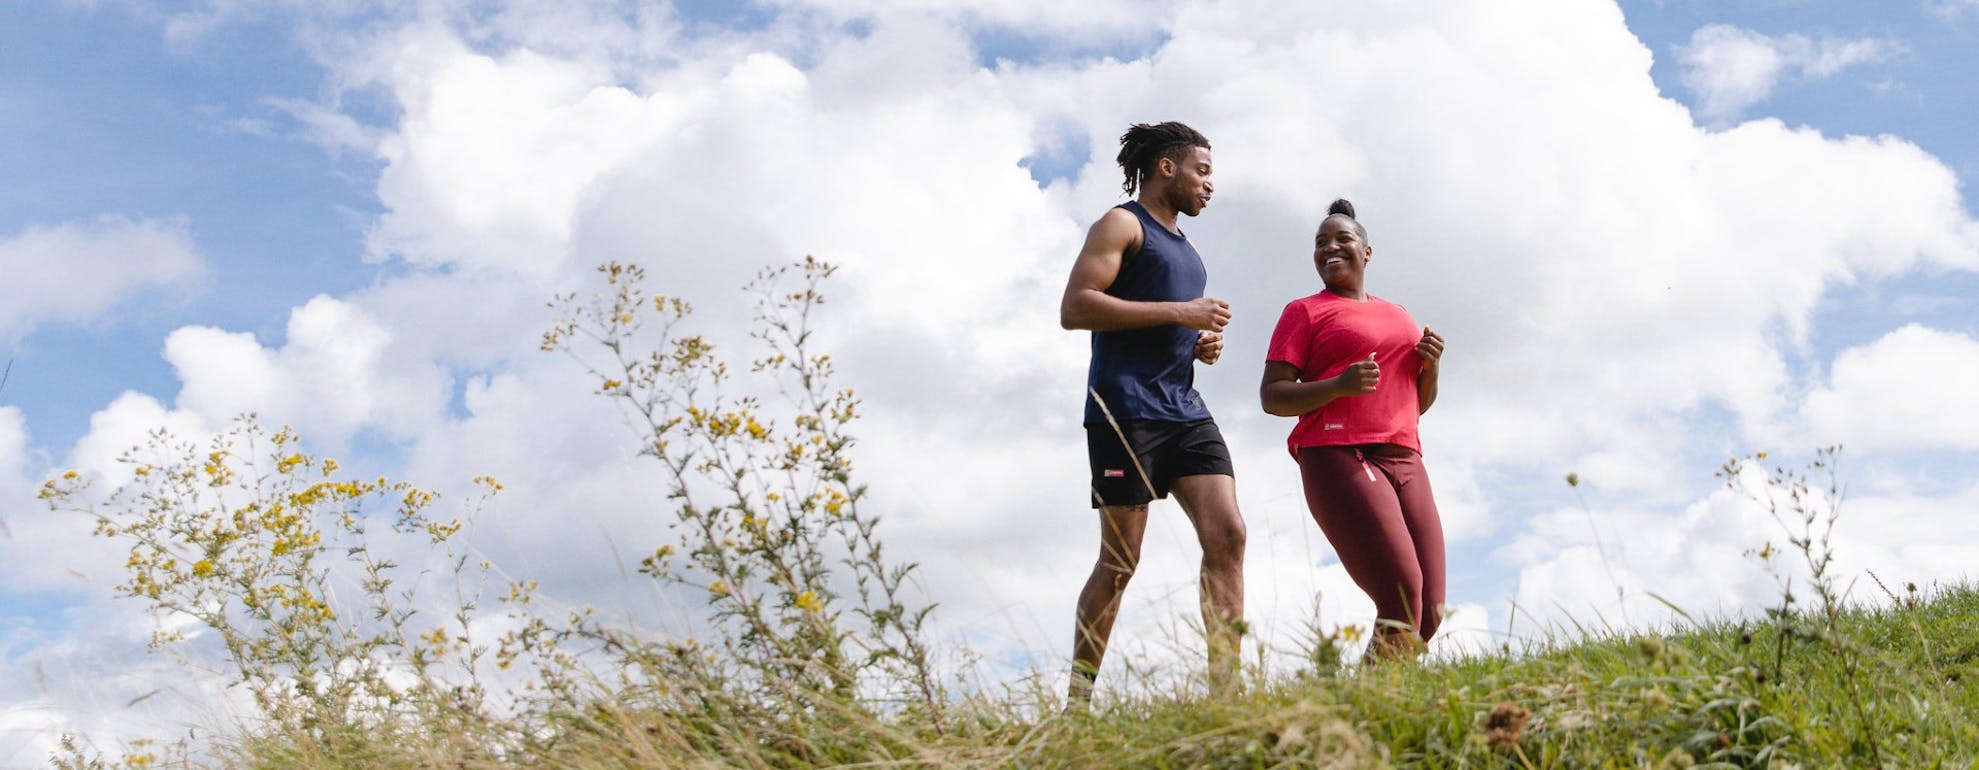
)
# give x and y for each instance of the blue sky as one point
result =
(112, 120)
(1925, 93)
(305, 175)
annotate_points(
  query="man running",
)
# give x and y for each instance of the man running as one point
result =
(1138, 286)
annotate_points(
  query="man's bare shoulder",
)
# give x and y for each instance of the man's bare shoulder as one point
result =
(1117, 227)
(1118, 216)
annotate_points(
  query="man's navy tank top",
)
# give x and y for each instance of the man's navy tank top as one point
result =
(1150, 373)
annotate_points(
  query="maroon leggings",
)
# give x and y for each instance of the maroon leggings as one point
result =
(1374, 505)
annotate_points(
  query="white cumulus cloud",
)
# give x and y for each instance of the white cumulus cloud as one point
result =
(1731, 68)
(555, 124)
(77, 271)
(335, 374)
(1087, 22)
(1954, 10)
(1910, 390)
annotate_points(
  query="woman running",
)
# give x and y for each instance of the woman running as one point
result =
(1357, 374)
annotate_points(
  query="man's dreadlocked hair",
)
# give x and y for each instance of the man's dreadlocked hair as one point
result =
(1143, 145)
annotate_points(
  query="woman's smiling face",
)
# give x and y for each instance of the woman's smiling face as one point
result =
(1340, 253)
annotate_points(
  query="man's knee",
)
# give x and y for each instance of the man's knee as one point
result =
(1224, 540)
(1118, 567)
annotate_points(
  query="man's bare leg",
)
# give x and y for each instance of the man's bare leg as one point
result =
(1210, 500)
(1120, 531)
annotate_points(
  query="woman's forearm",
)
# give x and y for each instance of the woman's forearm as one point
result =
(1425, 389)
(1291, 398)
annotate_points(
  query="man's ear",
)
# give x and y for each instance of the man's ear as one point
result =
(1165, 167)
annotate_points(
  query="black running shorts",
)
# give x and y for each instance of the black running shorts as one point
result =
(1164, 451)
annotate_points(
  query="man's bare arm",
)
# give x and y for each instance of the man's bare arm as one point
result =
(1087, 305)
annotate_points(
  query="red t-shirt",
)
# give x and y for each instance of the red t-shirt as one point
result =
(1323, 334)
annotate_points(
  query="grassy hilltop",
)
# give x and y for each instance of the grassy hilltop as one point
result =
(1894, 687)
(1889, 687)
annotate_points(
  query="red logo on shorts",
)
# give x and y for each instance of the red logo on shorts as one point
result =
(1114, 473)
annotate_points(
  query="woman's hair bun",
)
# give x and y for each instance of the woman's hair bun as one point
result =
(1341, 206)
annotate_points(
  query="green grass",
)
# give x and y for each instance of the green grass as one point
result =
(1896, 687)
(1739, 695)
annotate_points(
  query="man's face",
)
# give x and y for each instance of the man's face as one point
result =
(1189, 190)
